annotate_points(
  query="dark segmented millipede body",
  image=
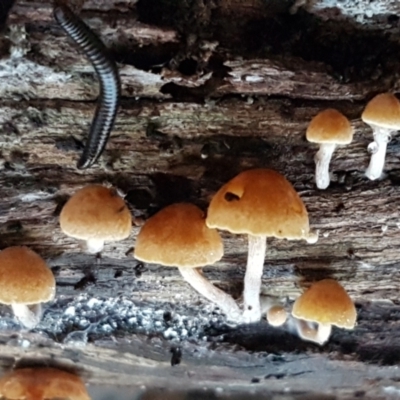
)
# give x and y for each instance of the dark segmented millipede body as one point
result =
(107, 72)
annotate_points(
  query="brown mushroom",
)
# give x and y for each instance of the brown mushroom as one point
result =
(260, 203)
(325, 303)
(382, 114)
(25, 282)
(42, 383)
(276, 315)
(178, 236)
(328, 128)
(96, 214)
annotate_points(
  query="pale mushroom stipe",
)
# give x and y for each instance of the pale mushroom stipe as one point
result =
(328, 128)
(325, 303)
(382, 114)
(177, 236)
(25, 282)
(96, 214)
(260, 203)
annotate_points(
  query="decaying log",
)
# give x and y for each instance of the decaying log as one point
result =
(209, 89)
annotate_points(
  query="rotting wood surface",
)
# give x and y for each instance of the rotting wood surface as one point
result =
(207, 93)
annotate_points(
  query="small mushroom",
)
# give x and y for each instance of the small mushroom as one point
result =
(382, 114)
(260, 203)
(328, 128)
(96, 214)
(325, 303)
(178, 236)
(276, 315)
(25, 282)
(42, 383)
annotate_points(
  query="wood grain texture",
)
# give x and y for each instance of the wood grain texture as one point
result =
(209, 90)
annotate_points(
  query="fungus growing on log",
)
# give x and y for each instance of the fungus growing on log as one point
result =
(260, 203)
(276, 315)
(325, 303)
(382, 114)
(25, 282)
(96, 214)
(177, 236)
(328, 128)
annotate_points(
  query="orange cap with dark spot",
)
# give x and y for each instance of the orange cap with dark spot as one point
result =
(259, 202)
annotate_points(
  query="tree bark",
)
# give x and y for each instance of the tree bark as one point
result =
(209, 89)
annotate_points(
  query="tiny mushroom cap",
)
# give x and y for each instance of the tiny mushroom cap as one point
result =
(382, 113)
(25, 282)
(96, 214)
(178, 236)
(276, 315)
(326, 303)
(328, 128)
(259, 203)
(42, 383)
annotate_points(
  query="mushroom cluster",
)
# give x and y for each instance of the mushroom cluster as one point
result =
(259, 203)
(330, 128)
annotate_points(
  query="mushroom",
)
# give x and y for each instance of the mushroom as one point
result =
(325, 303)
(276, 315)
(328, 128)
(259, 203)
(42, 383)
(178, 236)
(25, 282)
(382, 114)
(96, 214)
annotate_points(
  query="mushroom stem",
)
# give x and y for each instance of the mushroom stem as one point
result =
(28, 315)
(377, 161)
(95, 245)
(322, 160)
(252, 278)
(319, 335)
(195, 278)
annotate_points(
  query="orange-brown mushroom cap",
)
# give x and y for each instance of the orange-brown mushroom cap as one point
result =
(330, 126)
(178, 236)
(259, 202)
(42, 383)
(326, 302)
(96, 212)
(24, 277)
(384, 111)
(276, 315)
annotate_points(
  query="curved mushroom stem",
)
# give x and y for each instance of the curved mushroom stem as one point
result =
(252, 278)
(319, 335)
(28, 315)
(95, 245)
(322, 160)
(377, 161)
(194, 277)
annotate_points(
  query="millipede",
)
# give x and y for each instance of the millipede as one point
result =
(107, 72)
